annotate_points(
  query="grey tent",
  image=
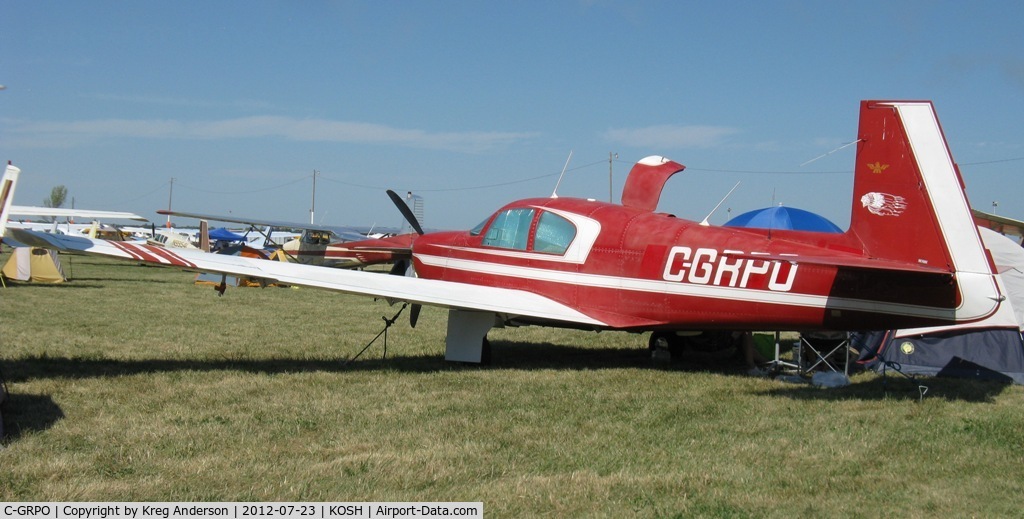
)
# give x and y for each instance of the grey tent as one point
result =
(988, 349)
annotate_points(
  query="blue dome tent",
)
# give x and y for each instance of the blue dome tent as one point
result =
(222, 234)
(781, 217)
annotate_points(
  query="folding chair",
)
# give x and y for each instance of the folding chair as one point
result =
(820, 349)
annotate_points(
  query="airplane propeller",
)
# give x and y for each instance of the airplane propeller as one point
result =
(402, 267)
(414, 314)
(406, 212)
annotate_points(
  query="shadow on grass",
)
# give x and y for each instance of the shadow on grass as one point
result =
(75, 282)
(23, 414)
(67, 285)
(88, 280)
(876, 387)
(504, 356)
(26, 413)
(539, 357)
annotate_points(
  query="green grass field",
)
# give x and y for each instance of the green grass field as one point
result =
(132, 383)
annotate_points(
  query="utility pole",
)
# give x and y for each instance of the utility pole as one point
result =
(312, 207)
(170, 197)
(610, 157)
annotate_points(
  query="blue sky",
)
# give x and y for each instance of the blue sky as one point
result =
(474, 104)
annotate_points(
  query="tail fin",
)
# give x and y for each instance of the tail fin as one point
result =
(909, 203)
(7, 185)
(204, 235)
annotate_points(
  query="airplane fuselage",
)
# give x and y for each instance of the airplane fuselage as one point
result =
(346, 254)
(643, 270)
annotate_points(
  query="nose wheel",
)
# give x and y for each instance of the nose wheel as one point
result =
(660, 345)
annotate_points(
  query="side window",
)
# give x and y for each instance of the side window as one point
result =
(317, 237)
(554, 234)
(510, 229)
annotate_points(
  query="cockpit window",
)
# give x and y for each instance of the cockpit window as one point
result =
(510, 229)
(554, 234)
(317, 237)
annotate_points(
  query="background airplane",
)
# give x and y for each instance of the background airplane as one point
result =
(1010, 227)
(911, 257)
(93, 229)
(60, 212)
(327, 246)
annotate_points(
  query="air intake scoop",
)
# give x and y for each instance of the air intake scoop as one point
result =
(646, 181)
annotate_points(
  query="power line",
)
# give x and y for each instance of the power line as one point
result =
(519, 181)
(990, 162)
(466, 188)
(750, 172)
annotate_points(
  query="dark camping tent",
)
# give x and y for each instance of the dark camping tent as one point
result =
(989, 349)
(781, 217)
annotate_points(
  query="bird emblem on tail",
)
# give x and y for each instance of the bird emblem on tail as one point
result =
(884, 204)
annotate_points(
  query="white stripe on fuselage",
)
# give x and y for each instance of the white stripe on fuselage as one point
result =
(745, 295)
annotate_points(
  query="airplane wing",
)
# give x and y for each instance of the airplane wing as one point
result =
(346, 233)
(58, 212)
(507, 302)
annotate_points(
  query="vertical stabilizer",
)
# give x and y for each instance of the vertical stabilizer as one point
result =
(909, 203)
(7, 185)
(204, 235)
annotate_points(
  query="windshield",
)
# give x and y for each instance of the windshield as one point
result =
(475, 231)
(510, 230)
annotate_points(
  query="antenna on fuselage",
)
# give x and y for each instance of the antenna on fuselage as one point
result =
(554, 194)
(831, 152)
(704, 222)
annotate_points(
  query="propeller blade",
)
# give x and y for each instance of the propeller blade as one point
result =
(406, 212)
(414, 314)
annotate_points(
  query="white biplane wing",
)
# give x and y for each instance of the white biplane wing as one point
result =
(60, 212)
(343, 233)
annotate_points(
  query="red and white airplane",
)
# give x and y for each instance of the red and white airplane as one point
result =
(325, 246)
(911, 257)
